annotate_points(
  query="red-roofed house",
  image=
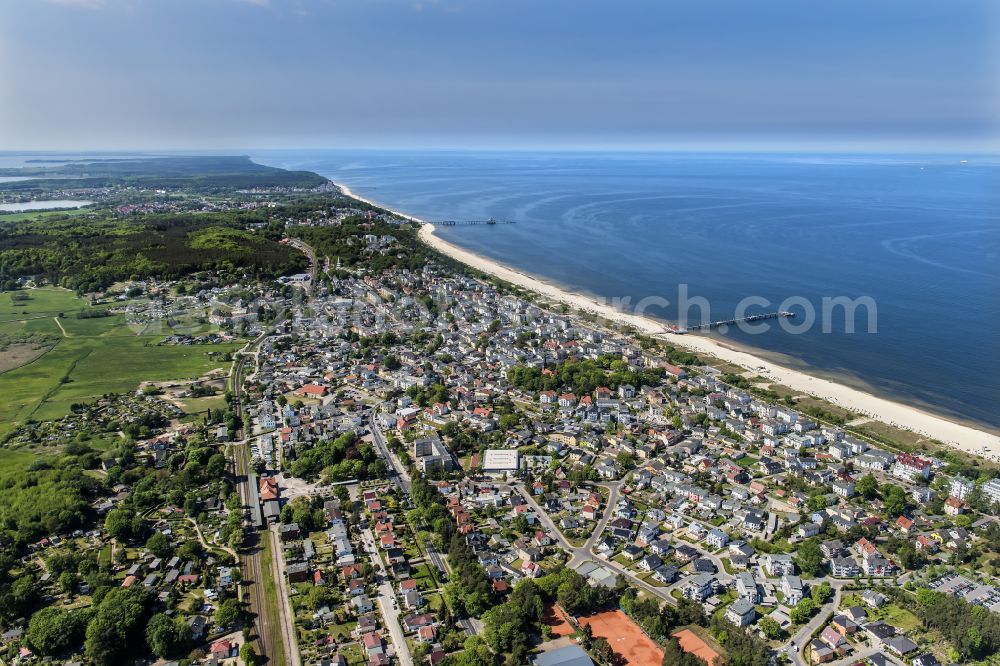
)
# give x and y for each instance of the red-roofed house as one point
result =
(311, 390)
(904, 524)
(223, 649)
(373, 643)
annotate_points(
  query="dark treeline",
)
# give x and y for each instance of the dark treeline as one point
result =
(973, 630)
(91, 253)
(199, 173)
(468, 592)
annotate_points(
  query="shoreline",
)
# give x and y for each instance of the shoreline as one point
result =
(961, 436)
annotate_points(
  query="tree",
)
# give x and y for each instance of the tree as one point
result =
(822, 593)
(867, 486)
(67, 582)
(894, 499)
(167, 637)
(770, 627)
(115, 630)
(118, 522)
(602, 651)
(476, 653)
(190, 550)
(378, 469)
(216, 466)
(228, 613)
(248, 654)
(801, 613)
(625, 460)
(973, 631)
(103, 644)
(674, 655)
(520, 524)
(160, 546)
(235, 540)
(810, 558)
(742, 647)
(53, 631)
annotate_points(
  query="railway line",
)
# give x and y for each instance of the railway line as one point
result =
(266, 628)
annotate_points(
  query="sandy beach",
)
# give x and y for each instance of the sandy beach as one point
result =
(959, 435)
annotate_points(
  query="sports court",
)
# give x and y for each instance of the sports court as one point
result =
(625, 637)
(693, 643)
(556, 618)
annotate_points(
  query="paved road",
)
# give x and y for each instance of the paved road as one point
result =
(801, 637)
(387, 601)
(583, 553)
(396, 467)
(472, 626)
(435, 557)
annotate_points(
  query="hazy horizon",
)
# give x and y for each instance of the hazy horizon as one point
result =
(909, 76)
(735, 150)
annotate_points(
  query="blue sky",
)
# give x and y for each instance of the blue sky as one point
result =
(842, 74)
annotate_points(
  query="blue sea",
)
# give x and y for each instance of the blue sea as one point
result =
(919, 235)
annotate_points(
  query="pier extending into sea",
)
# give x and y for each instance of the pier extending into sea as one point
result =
(729, 322)
(464, 223)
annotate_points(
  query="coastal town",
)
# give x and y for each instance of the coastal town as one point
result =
(520, 333)
(416, 464)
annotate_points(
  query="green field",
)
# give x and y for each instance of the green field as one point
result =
(200, 405)
(41, 302)
(93, 357)
(15, 461)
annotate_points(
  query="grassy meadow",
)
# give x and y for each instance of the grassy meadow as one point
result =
(91, 357)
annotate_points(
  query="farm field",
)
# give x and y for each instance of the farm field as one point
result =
(90, 358)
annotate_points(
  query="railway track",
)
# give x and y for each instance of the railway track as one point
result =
(265, 628)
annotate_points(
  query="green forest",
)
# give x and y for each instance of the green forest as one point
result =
(343, 242)
(90, 253)
(195, 173)
(582, 377)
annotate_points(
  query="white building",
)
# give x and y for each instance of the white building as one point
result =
(961, 487)
(792, 589)
(991, 490)
(498, 462)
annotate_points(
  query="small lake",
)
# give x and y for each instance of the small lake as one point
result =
(13, 179)
(42, 205)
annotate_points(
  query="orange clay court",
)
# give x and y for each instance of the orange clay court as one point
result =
(555, 617)
(691, 642)
(625, 637)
